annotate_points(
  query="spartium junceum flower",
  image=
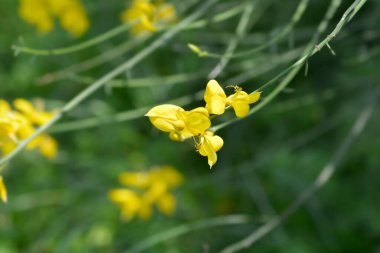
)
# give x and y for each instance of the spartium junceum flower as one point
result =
(19, 122)
(146, 16)
(182, 124)
(145, 190)
(41, 13)
(216, 99)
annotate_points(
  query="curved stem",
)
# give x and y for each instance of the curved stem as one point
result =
(66, 50)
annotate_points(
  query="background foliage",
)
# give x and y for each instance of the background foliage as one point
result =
(267, 159)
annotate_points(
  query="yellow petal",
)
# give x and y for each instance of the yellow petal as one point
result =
(215, 98)
(24, 106)
(216, 142)
(241, 108)
(216, 105)
(210, 152)
(197, 121)
(166, 204)
(166, 117)
(254, 97)
(3, 190)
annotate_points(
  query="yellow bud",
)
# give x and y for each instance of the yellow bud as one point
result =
(197, 50)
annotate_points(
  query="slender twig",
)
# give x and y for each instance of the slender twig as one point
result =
(66, 50)
(241, 29)
(323, 177)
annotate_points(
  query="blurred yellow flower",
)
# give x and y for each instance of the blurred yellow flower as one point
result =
(19, 125)
(148, 16)
(41, 13)
(37, 13)
(3, 190)
(146, 189)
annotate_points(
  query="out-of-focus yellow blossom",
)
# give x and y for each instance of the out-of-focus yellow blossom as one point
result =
(37, 13)
(74, 20)
(41, 13)
(208, 145)
(240, 101)
(3, 190)
(148, 16)
(183, 124)
(145, 190)
(36, 115)
(17, 125)
(215, 98)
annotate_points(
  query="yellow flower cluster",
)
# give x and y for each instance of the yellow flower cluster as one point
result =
(181, 124)
(16, 125)
(41, 13)
(148, 16)
(146, 189)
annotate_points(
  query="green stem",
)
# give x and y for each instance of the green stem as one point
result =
(142, 82)
(66, 50)
(279, 35)
(241, 30)
(103, 80)
(92, 62)
(217, 18)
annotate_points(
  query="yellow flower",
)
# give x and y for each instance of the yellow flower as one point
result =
(148, 188)
(16, 126)
(136, 179)
(34, 115)
(47, 146)
(168, 174)
(41, 13)
(128, 200)
(240, 101)
(36, 12)
(208, 145)
(215, 98)
(3, 190)
(197, 121)
(10, 121)
(166, 118)
(145, 16)
(74, 21)
(166, 204)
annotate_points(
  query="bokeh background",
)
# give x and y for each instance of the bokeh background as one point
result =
(267, 160)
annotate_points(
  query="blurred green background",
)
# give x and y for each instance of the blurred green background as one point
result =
(267, 160)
